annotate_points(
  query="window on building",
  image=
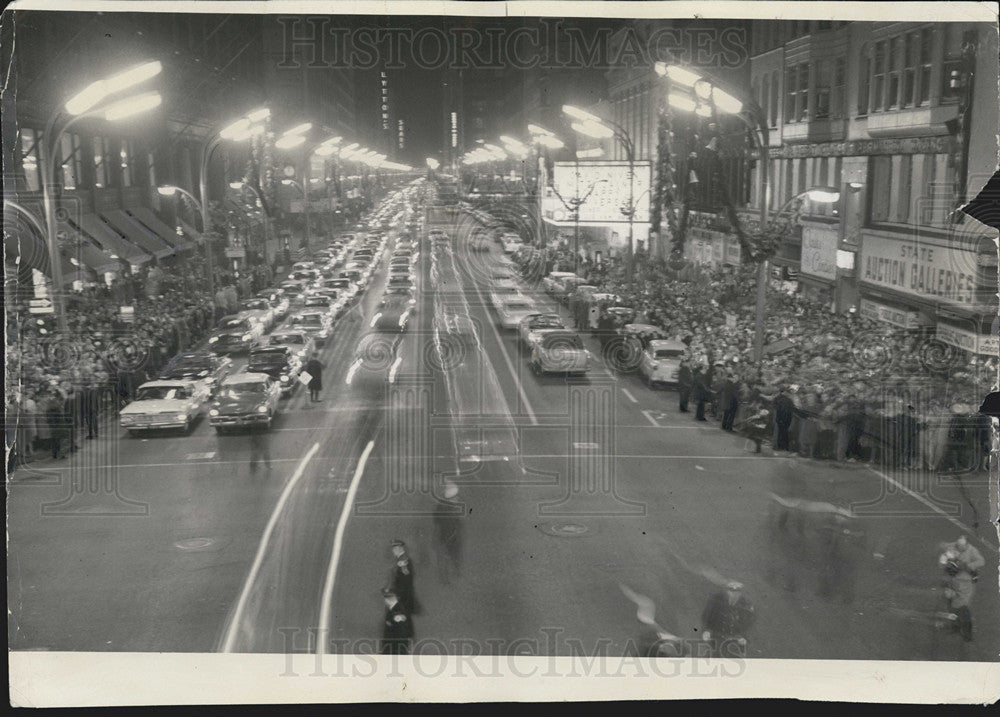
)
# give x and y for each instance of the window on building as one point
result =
(70, 158)
(29, 158)
(924, 70)
(775, 96)
(864, 83)
(101, 174)
(911, 53)
(824, 79)
(895, 70)
(951, 67)
(879, 77)
(151, 168)
(125, 158)
(791, 90)
(904, 190)
(839, 94)
(880, 171)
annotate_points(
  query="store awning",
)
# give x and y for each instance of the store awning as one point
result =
(137, 234)
(112, 241)
(88, 254)
(153, 223)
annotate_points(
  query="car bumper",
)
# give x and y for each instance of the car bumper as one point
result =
(252, 419)
(152, 423)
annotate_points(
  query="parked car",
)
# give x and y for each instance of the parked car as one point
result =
(237, 333)
(317, 324)
(553, 282)
(164, 404)
(245, 400)
(299, 342)
(198, 367)
(512, 309)
(632, 341)
(560, 352)
(533, 326)
(278, 362)
(262, 309)
(661, 362)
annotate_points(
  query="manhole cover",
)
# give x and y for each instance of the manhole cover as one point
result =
(195, 544)
(563, 530)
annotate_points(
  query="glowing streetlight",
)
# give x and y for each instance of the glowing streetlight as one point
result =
(97, 91)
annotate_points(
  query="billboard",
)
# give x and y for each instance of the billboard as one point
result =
(607, 187)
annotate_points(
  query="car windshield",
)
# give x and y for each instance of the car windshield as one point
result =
(230, 337)
(247, 388)
(668, 353)
(289, 339)
(517, 306)
(162, 393)
(546, 322)
(308, 320)
(232, 323)
(317, 301)
(269, 358)
(562, 341)
(257, 304)
(190, 365)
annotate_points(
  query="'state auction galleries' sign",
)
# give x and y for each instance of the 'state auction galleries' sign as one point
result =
(919, 268)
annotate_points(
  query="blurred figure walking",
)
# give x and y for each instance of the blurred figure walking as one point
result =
(448, 535)
(315, 370)
(727, 618)
(402, 579)
(961, 562)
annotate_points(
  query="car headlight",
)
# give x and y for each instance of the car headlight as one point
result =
(182, 416)
(213, 339)
(202, 374)
(262, 408)
(214, 412)
(284, 378)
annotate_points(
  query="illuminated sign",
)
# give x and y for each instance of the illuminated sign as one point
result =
(401, 134)
(611, 189)
(454, 129)
(385, 100)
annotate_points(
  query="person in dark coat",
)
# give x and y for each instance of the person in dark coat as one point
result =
(91, 409)
(685, 382)
(402, 579)
(315, 370)
(784, 410)
(448, 535)
(397, 627)
(730, 401)
(59, 428)
(727, 618)
(702, 390)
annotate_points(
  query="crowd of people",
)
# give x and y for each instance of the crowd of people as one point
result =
(830, 385)
(59, 384)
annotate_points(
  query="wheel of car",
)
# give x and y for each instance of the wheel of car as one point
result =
(134, 434)
(220, 430)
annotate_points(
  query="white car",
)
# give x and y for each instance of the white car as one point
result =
(510, 244)
(165, 404)
(661, 362)
(514, 308)
(533, 326)
(553, 282)
(560, 352)
(300, 342)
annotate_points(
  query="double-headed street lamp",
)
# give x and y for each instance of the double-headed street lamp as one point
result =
(242, 129)
(542, 140)
(593, 126)
(704, 96)
(92, 101)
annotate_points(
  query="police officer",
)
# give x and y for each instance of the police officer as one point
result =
(685, 381)
(402, 578)
(397, 627)
(727, 618)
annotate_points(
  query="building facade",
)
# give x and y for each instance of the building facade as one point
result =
(901, 119)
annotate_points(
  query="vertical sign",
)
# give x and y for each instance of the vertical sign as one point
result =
(454, 129)
(385, 100)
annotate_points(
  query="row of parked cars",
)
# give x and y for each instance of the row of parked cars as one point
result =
(278, 330)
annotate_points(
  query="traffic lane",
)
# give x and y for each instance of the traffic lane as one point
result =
(205, 505)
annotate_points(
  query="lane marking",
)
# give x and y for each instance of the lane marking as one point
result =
(506, 358)
(326, 598)
(629, 396)
(200, 456)
(592, 446)
(954, 521)
(234, 623)
(650, 418)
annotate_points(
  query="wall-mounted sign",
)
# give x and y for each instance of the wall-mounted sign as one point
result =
(919, 268)
(819, 252)
(889, 314)
(983, 344)
(611, 189)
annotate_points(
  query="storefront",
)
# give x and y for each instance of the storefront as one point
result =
(969, 336)
(712, 247)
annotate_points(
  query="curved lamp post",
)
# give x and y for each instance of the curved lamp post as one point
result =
(92, 101)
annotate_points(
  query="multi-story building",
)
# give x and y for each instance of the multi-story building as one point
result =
(110, 212)
(901, 119)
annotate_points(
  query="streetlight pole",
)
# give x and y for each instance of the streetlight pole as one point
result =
(242, 186)
(87, 103)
